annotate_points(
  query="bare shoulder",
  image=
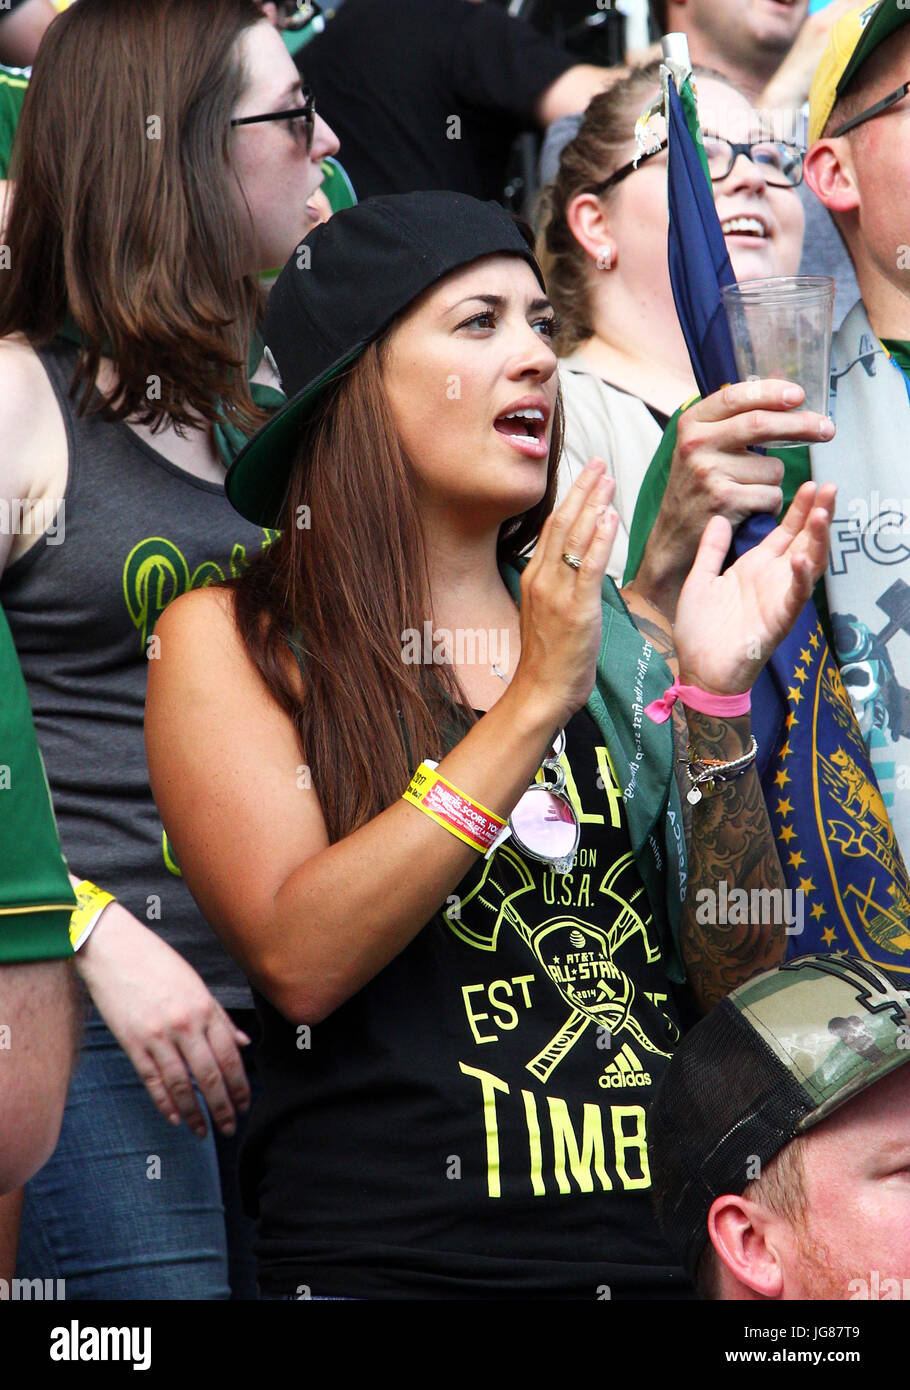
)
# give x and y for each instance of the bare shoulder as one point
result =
(200, 628)
(199, 644)
(23, 382)
(205, 692)
(200, 614)
(33, 450)
(197, 652)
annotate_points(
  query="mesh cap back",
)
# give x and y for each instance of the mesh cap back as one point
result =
(772, 1059)
(718, 1106)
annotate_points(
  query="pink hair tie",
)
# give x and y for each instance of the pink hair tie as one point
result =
(724, 705)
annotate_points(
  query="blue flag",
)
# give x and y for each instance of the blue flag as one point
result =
(849, 887)
(697, 250)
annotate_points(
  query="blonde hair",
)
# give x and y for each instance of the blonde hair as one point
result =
(599, 148)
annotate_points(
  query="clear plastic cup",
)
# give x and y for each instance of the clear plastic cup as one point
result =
(783, 328)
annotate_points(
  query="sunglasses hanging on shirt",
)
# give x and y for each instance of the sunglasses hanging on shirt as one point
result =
(543, 823)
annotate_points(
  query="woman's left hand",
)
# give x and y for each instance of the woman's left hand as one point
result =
(728, 624)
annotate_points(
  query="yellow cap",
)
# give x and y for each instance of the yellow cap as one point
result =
(853, 38)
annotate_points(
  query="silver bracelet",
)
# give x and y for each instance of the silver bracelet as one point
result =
(710, 772)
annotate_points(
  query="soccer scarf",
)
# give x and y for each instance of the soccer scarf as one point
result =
(868, 589)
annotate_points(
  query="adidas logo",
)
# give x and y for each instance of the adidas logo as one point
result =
(625, 1072)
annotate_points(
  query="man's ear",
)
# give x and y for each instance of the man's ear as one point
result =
(591, 229)
(745, 1237)
(828, 170)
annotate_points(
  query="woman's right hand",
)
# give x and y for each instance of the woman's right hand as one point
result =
(561, 606)
(715, 472)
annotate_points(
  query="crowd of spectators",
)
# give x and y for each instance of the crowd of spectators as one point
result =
(289, 404)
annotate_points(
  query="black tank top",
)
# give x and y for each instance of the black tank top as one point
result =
(132, 532)
(472, 1123)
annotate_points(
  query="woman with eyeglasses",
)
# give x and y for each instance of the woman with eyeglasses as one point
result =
(166, 157)
(417, 785)
(603, 244)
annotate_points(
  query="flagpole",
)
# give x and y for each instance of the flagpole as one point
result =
(676, 65)
(675, 49)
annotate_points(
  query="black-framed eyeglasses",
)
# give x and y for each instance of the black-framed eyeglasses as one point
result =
(780, 162)
(298, 116)
(890, 100)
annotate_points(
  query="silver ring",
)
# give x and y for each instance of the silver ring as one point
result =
(572, 561)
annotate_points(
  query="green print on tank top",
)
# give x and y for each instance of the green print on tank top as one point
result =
(600, 1143)
(155, 573)
(590, 937)
(577, 957)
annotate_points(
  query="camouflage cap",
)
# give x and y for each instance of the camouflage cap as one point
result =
(773, 1059)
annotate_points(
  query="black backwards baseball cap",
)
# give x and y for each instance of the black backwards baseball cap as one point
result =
(339, 291)
(774, 1058)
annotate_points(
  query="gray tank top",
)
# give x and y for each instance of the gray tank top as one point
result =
(132, 532)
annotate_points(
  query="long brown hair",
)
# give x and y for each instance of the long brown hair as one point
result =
(347, 578)
(123, 213)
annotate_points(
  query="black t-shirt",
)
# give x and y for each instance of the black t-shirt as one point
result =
(428, 93)
(471, 1124)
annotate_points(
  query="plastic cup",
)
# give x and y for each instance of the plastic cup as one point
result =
(783, 328)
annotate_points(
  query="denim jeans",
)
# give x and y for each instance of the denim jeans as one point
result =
(130, 1206)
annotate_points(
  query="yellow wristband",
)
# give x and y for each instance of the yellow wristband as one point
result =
(92, 902)
(450, 808)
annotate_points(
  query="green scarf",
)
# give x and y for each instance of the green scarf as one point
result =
(630, 674)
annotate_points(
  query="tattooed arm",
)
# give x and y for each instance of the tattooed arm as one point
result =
(729, 839)
(727, 624)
